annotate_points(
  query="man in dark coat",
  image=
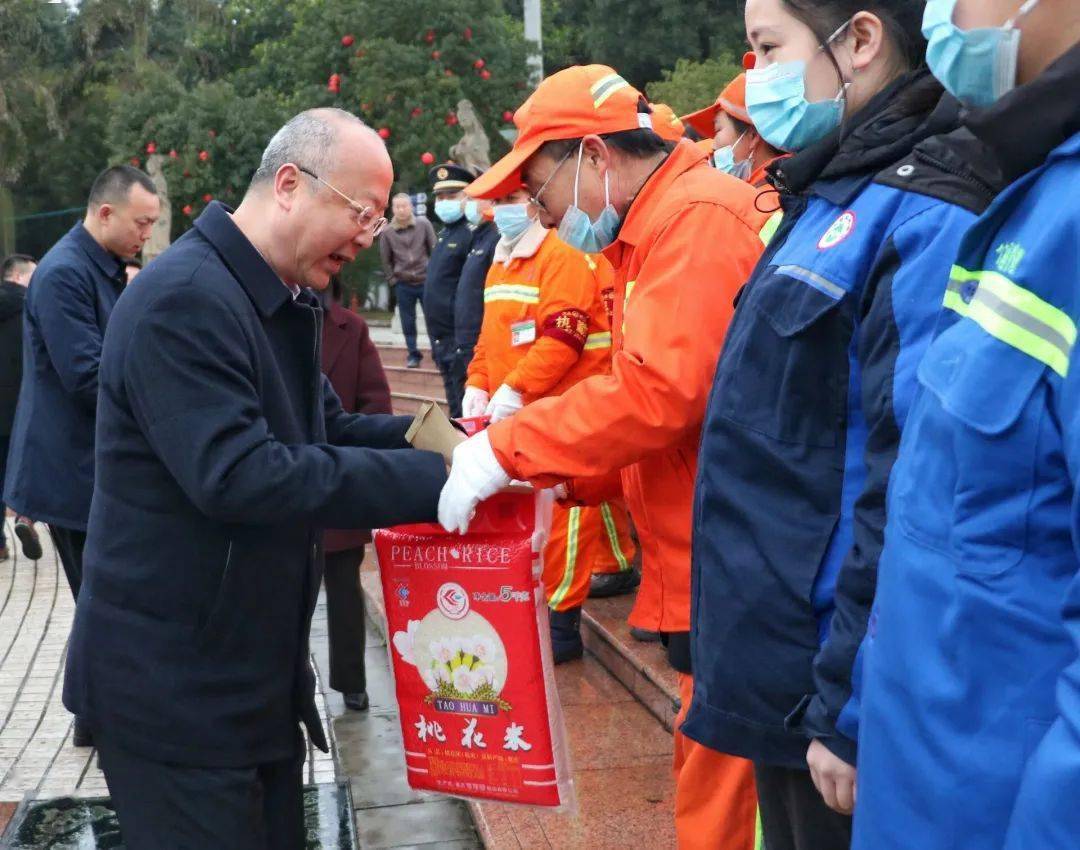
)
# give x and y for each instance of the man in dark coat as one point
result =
(51, 473)
(444, 271)
(221, 452)
(14, 278)
(351, 361)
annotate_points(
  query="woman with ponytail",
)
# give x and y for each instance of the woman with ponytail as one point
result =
(812, 391)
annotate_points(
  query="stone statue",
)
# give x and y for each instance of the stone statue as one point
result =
(474, 150)
(160, 236)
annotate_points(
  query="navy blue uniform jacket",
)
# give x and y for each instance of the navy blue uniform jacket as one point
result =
(220, 449)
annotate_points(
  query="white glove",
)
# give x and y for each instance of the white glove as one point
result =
(505, 403)
(474, 402)
(475, 475)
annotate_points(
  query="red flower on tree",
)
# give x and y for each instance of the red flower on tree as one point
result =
(334, 83)
(485, 74)
(204, 156)
(451, 120)
(347, 41)
(478, 64)
(384, 133)
(429, 37)
(173, 154)
(417, 112)
(135, 161)
(427, 158)
(151, 148)
(468, 33)
(187, 210)
(508, 116)
(435, 54)
(208, 197)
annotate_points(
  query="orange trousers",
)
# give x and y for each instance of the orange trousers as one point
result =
(715, 799)
(584, 541)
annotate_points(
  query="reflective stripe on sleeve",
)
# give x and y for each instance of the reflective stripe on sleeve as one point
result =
(1014, 315)
(595, 342)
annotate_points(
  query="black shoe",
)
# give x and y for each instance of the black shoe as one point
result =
(603, 585)
(28, 537)
(357, 702)
(82, 736)
(566, 642)
(413, 362)
(644, 635)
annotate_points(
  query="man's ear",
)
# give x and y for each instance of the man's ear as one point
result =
(595, 153)
(287, 184)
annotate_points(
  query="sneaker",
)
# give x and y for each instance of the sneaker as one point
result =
(413, 362)
(28, 537)
(566, 642)
(603, 585)
(357, 702)
(644, 635)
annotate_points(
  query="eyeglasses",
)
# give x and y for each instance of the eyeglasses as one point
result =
(364, 218)
(535, 199)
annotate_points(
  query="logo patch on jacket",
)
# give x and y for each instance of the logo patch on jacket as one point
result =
(1009, 257)
(838, 231)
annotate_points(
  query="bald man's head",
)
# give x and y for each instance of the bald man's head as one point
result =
(322, 184)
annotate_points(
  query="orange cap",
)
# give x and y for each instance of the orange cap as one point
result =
(732, 100)
(575, 102)
(666, 123)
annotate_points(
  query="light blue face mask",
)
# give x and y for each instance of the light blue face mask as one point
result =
(448, 211)
(512, 220)
(779, 110)
(977, 66)
(579, 231)
(473, 213)
(724, 160)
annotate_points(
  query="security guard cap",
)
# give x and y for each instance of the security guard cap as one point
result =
(450, 177)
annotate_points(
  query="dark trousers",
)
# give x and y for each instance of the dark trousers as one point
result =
(5, 441)
(408, 295)
(793, 814)
(69, 545)
(175, 807)
(345, 620)
(443, 352)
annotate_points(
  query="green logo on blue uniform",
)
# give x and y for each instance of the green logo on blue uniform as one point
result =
(1009, 257)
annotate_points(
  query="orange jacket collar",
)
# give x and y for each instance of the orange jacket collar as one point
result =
(638, 219)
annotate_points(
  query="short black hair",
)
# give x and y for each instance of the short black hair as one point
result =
(639, 143)
(13, 262)
(902, 20)
(113, 185)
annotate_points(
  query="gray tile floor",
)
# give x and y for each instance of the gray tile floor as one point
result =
(37, 757)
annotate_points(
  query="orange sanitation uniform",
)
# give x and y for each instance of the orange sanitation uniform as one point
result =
(545, 329)
(686, 246)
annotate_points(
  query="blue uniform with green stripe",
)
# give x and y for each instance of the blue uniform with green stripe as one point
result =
(970, 711)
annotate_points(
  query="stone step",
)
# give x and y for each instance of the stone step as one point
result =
(423, 381)
(397, 355)
(620, 755)
(642, 668)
